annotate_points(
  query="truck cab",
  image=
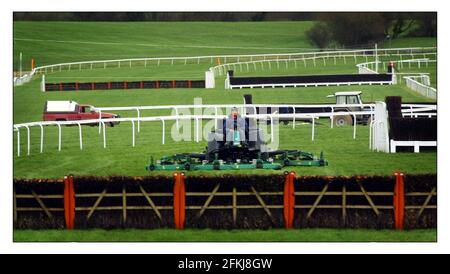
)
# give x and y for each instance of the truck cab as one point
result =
(71, 110)
(349, 101)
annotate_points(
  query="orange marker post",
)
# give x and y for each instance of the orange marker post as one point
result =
(289, 200)
(179, 200)
(399, 201)
(69, 202)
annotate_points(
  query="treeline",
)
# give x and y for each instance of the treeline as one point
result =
(163, 16)
(352, 29)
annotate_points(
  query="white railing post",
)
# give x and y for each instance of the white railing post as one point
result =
(99, 122)
(81, 136)
(18, 142)
(332, 117)
(59, 137)
(28, 140)
(293, 118)
(42, 138)
(138, 120)
(43, 83)
(132, 134)
(104, 134)
(163, 131)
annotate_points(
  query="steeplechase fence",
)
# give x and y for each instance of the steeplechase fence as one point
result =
(233, 82)
(157, 84)
(227, 201)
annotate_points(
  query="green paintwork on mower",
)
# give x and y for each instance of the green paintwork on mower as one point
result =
(184, 162)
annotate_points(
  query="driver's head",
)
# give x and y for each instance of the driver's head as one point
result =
(234, 112)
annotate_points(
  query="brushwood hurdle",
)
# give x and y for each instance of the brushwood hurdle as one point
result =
(246, 201)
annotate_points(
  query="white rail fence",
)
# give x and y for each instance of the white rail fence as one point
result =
(222, 59)
(416, 144)
(276, 60)
(421, 84)
(370, 67)
(163, 120)
(408, 109)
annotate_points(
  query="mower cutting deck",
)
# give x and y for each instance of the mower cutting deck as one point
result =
(237, 144)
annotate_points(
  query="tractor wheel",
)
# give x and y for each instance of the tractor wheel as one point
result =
(343, 120)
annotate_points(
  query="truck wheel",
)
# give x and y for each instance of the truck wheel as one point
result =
(343, 120)
(111, 124)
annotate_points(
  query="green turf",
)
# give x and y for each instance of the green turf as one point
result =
(406, 42)
(346, 156)
(189, 235)
(56, 42)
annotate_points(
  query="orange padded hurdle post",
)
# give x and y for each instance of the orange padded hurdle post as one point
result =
(69, 202)
(33, 64)
(179, 200)
(399, 201)
(289, 200)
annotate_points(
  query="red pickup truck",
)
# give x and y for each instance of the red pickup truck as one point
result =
(70, 111)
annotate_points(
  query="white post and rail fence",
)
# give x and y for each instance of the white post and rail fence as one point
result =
(222, 59)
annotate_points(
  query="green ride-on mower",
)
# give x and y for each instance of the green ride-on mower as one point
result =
(236, 144)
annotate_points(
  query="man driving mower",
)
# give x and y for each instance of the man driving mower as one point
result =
(235, 126)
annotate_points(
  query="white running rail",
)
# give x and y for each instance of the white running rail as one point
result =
(223, 59)
(421, 84)
(408, 109)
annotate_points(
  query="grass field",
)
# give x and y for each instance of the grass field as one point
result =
(272, 235)
(55, 42)
(346, 156)
(405, 42)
